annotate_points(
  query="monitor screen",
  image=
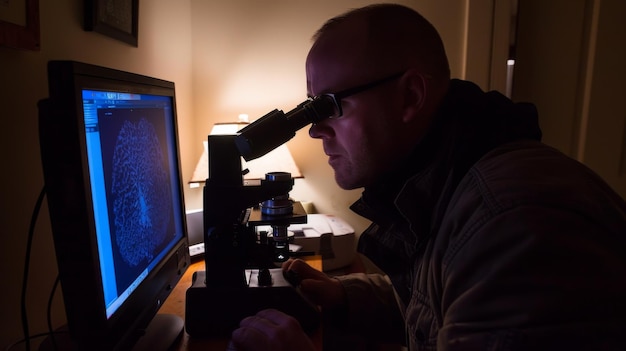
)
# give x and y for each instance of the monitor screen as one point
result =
(112, 175)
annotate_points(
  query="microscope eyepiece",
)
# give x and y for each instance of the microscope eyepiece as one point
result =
(276, 127)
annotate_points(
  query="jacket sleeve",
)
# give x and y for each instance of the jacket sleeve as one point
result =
(372, 311)
(534, 278)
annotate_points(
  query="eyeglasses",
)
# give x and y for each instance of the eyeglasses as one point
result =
(336, 97)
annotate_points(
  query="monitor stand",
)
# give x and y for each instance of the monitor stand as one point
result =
(162, 334)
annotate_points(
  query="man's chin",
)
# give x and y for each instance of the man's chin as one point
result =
(346, 183)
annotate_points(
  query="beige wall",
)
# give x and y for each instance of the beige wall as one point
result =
(226, 58)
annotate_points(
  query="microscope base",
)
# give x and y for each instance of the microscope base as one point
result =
(217, 311)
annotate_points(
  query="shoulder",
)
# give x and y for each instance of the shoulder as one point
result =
(531, 173)
(527, 190)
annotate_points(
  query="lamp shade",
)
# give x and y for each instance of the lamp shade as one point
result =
(277, 160)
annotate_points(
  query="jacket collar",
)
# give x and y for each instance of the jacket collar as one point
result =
(468, 124)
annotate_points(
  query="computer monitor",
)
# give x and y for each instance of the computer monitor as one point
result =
(109, 147)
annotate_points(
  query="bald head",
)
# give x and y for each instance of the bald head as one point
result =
(390, 36)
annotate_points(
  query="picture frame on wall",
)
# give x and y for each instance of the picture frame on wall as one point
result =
(19, 24)
(117, 19)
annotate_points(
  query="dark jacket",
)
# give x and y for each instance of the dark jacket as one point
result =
(492, 240)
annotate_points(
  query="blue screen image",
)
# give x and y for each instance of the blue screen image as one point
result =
(129, 138)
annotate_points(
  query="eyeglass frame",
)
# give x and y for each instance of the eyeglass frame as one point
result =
(336, 97)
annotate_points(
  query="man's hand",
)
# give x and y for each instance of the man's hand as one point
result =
(321, 289)
(270, 330)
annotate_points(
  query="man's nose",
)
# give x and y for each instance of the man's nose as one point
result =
(321, 129)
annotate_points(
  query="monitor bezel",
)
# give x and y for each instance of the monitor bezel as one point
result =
(67, 182)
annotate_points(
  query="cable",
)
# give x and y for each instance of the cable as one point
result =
(29, 243)
(10, 346)
(49, 314)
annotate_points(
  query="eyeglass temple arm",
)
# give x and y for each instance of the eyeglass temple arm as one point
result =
(351, 91)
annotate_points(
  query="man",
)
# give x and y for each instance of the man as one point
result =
(491, 239)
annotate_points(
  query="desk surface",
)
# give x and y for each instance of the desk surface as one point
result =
(175, 304)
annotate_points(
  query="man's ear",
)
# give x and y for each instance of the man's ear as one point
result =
(414, 94)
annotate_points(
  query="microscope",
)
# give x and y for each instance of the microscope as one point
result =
(242, 274)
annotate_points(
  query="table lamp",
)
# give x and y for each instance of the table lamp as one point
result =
(277, 160)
